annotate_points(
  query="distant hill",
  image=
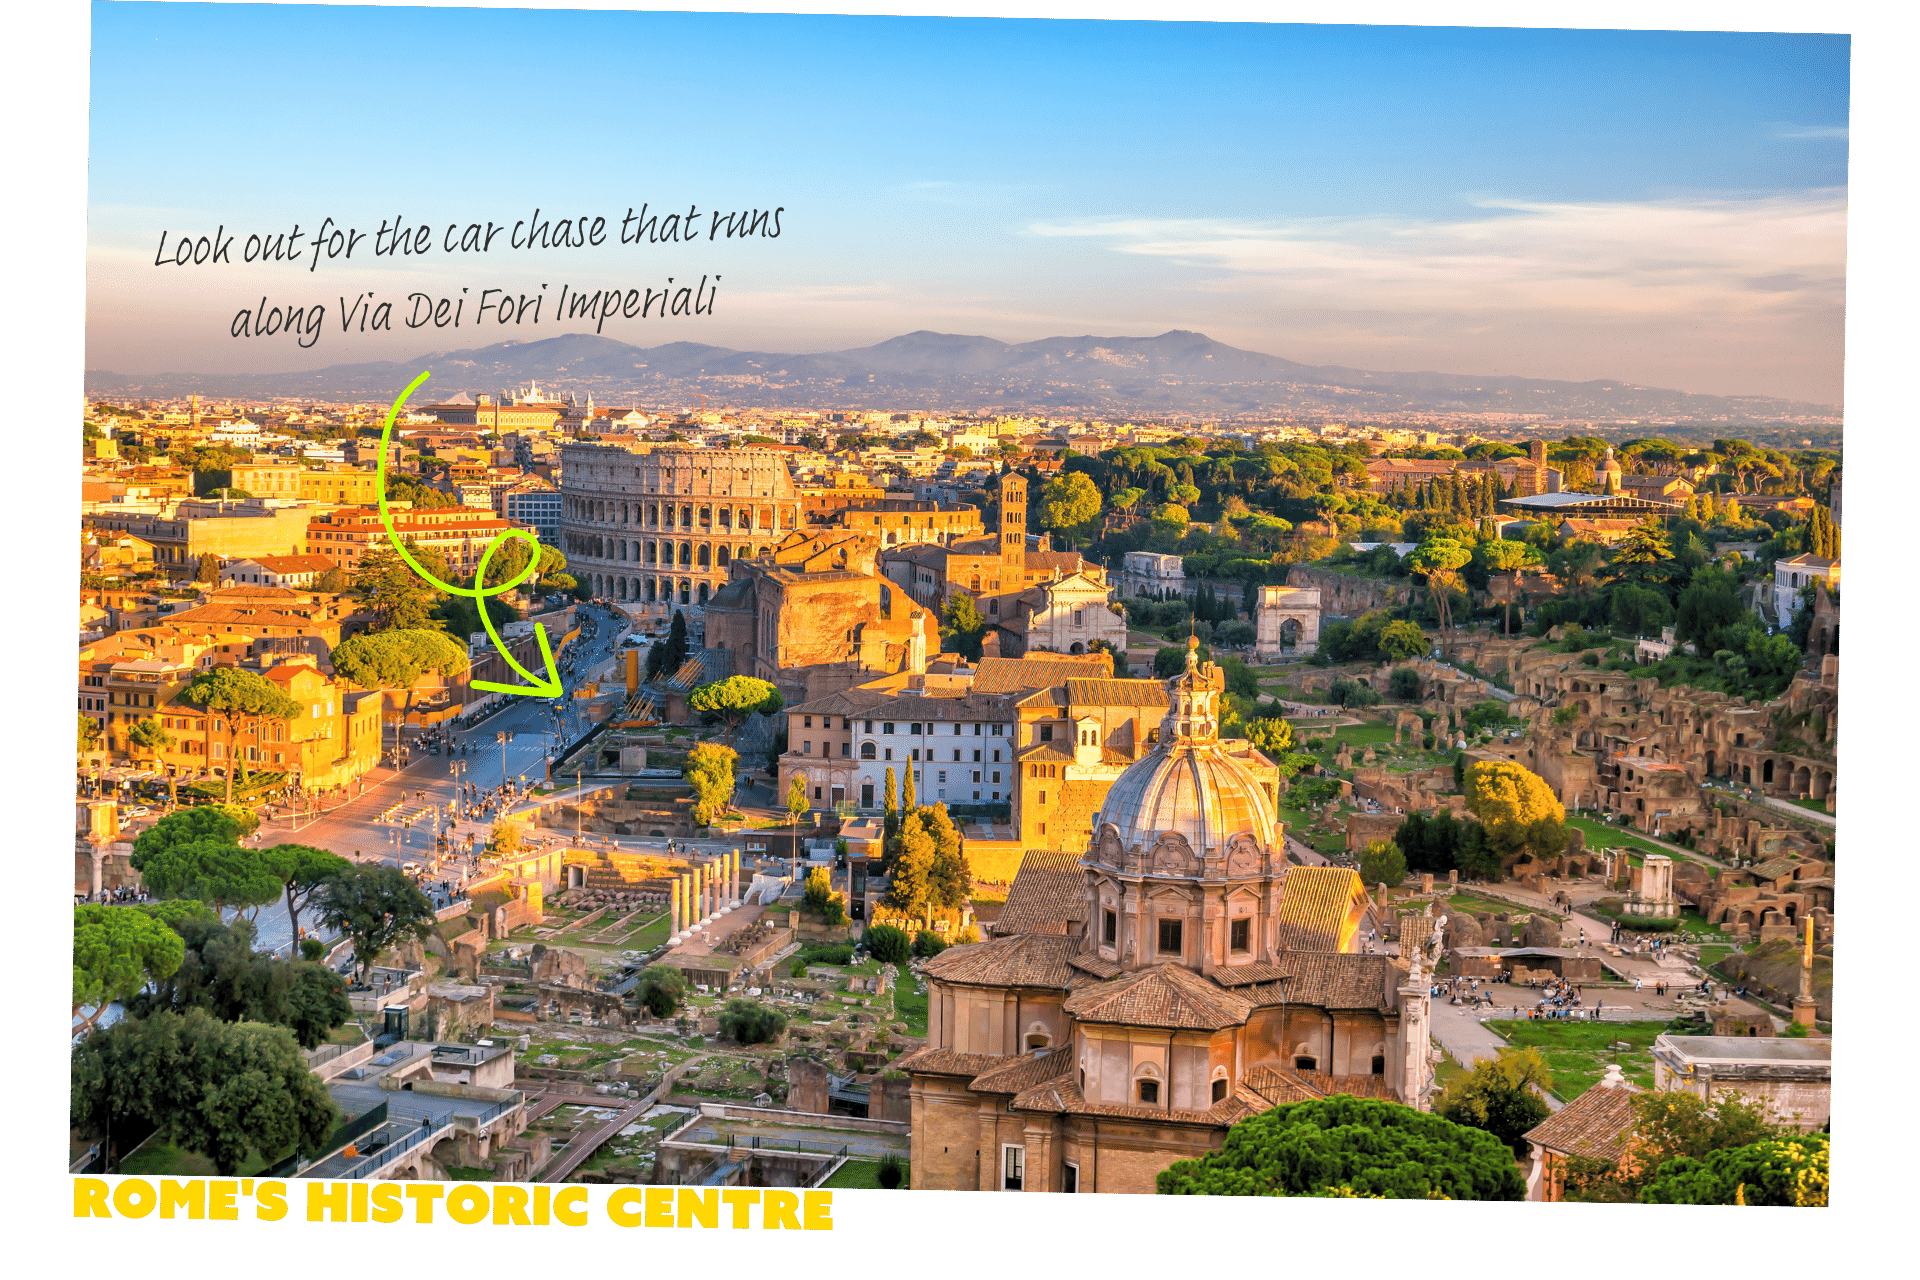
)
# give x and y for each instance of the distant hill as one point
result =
(1177, 373)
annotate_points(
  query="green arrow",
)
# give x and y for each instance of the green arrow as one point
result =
(550, 687)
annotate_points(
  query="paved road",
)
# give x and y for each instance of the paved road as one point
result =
(354, 829)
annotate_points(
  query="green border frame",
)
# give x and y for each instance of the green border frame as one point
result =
(45, 336)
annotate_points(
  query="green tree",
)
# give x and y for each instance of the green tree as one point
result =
(1790, 1170)
(398, 598)
(335, 581)
(243, 697)
(1670, 1125)
(797, 798)
(889, 816)
(89, 734)
(223, 1089)
(302, 870)
(1381, 862)
(887, 944)
(818, 891)
(1501, 1095)
(909, 887)
(212, 870)
(949, 877)
(376, 906)
(1506, 795)
(678, 646)
(207, 568)
(1271, 736)
(1441, 560)
(962, 625)
(1405, 685)
(223, 974)
(1351, 1146)
(710, 771)
(1708, 608)
(1637, 610)
(661, 989)
(397, 659)
(750, 1022)
(1401, 640)
(116, 952)
(228, 822)
(149, 737)
(732, 700)
(928, 943)
(1069, 501)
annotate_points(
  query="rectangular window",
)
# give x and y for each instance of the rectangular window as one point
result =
(846, 748)
(1109, 927)
(806, 722)
(996, 730)
(914, 729)
(996, 760)
(1043, 797)
(866, 795)
(976, 775)
(1043, 828)
(806, 748)
(976, 759)
(1239, 934)
(942, 777)
(1013, 1168)
(886, 728)
(1169, 940)
(1046, 733)
(1069, 1179)
(887, 753)
(1150, 1091)
(996, 775)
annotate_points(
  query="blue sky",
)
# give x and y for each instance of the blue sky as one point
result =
(1664, 207)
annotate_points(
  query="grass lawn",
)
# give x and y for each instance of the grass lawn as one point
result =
(1601, 835)
(1470, 902)
(651, 934)
(1447, 1072)
(910, 1007)
(1577, 1052)
(1817, 806)
(467, 1173)
(864, 1175)
(1711, 955)
(157, 1159)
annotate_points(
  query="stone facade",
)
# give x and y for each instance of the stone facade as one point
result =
(658, 527)
(1287, 622)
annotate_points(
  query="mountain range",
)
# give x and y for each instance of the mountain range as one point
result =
(1174, 374)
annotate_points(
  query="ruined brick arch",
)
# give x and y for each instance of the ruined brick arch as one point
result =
(1746, 918)
(1822, 785)
(1408, 720)
(1802, 780)
(1766, 771)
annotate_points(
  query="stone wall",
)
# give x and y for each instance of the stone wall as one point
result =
(1344, 596)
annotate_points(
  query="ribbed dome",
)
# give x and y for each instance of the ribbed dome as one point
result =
(1190, 784)
(1198, 791)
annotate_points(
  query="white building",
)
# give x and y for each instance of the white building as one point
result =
(959, 748)
(1148, 575)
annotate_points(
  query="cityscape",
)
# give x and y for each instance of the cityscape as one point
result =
(1272, 635)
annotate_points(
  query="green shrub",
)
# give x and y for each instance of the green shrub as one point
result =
(888, 944)
(750, 1022)
(928, 943)
(891, 1174)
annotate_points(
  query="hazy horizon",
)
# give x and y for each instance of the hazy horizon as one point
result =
(1665, 209)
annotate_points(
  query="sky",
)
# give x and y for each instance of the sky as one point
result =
(1662, 208)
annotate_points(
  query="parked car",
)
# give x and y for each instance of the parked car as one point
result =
(134, 811)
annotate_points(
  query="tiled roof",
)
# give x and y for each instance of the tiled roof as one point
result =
(1316, 906)
(1246, 975)
(1594, 1125)
(1011, 675)
(1278, 1086)
(1048, 892)
(1339, 980)
(946, 1062)
(1022, 960)
(1023, 1072)
(1773, 869)
(1091, 962)
(1116, 693)
(1062, 1095)
(1165, 995)
(1046, 753)
(1415, 930)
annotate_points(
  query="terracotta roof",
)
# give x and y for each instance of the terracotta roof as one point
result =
(946, 1062)
(1048, 892)
(1017, 675)
(1062, 1095)
(1773, 869)
(1116, 693)
(1278, 1086)
(1339, 980)
(1594, 1125)
(1316, 906)
(1047, 753)
(1091, 962)
(1022, 960)
(1165, 995)
(1024, 1071)
(1246, 975)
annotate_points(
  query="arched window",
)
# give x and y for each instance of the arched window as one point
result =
(1302, 1062)
(1219, 1090)
(703, 593)
(652, 588)
(706, 554)
(686, 553)
(866, 751)
(720, 554)
(1379, 1064)
(1149, 1091)
(686, 592)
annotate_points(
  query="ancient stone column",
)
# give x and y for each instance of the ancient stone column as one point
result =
(686, 902)
(676, 907)
(733, 890)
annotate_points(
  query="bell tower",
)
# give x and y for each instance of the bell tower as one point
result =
(1013, 518)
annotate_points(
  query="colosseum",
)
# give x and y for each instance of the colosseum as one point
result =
(655, 527)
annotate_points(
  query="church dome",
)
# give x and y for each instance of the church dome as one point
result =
(1191, 784)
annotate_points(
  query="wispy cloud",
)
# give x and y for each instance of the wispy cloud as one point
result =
(1838, 131)
(1711, 259)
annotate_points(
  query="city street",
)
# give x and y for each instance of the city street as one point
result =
(356, 829)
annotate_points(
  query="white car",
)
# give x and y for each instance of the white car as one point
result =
(135, 811)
